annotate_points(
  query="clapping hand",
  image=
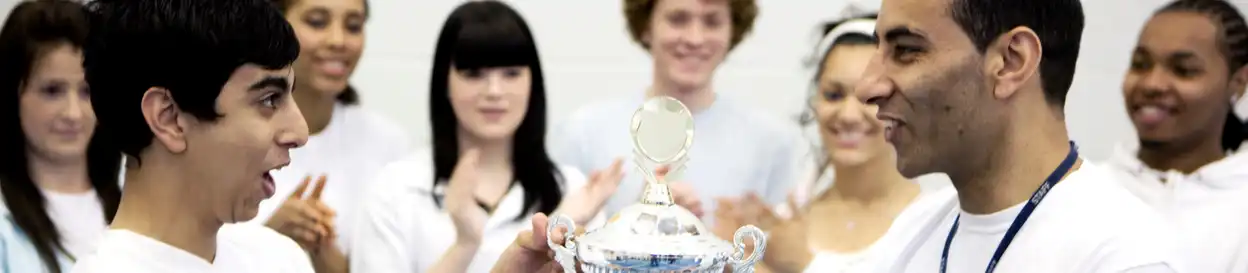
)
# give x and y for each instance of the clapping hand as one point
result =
(682, 193)
(788, 249)
(469, 218)
(304, 219)
(586, 202)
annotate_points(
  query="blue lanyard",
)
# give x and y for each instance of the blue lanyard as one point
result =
(1019, 220)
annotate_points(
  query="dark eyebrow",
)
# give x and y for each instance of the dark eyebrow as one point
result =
(895, 33)
(1182, 56)
(271, 82)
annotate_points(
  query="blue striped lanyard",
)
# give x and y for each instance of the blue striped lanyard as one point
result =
(1019, 220)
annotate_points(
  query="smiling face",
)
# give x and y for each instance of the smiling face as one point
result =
(233, 155)
(850, 131)
(331, 34)
(927, 78)
(490, 102)
(56, 114)
(688, 39)
(1179, 82)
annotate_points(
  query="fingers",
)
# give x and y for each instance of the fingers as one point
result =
(320, 187)
(536, 239)
(303, 186)
(694, 205)
(616, 167)
(462, 182)
(468, 159)
(310, 220)
(661, 171)
(324, 209)
(794, 207)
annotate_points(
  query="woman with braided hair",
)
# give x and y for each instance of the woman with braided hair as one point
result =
(1186, 73)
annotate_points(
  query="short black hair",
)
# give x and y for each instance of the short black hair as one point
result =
(1058, 23)
(190, 47)
(485, 34)
(1233, 41)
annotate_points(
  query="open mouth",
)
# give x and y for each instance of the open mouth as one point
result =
(889, 129)
(1151, 114)
(333, 68)
(270, 187)
(493, 114)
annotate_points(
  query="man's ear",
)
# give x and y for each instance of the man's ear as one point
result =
(1239, 82)
(646, 39)
(162, 116)
(1012, 60)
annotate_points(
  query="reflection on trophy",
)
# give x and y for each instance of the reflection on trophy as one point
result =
(655, 235)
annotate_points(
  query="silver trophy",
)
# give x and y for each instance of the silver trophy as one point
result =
(655, 235)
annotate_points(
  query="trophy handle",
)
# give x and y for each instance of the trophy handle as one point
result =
(741, 263)
(564, 254)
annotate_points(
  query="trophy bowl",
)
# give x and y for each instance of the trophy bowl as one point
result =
(655, 235)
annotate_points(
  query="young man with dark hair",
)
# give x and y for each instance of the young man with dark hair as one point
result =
(196, 94)
(976, 91)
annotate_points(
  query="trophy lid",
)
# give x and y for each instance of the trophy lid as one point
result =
(655, 235)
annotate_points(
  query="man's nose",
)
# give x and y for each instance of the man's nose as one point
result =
(873, 86)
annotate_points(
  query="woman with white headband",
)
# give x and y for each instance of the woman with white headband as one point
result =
(838, 228)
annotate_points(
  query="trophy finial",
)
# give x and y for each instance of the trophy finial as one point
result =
(654, 235)
(662, 131)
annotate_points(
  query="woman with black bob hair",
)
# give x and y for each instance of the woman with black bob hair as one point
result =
(59, 180)
(488, 171)
(1187, 70)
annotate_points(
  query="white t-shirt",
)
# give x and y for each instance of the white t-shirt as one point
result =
(402, 230)
(350, 151)
(736, 149)
(1086, 223)
(1208, 208)
(240, 249)
(860, 261)
(79, 218)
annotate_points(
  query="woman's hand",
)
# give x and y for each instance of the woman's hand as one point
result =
(468, 217)
(788, 249)
(304, 219)
(682, 193)
(326, 258)
(585, 203)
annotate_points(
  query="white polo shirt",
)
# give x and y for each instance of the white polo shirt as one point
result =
(241, 248)
(1208, 208)
(402, 230)
(1087, 223)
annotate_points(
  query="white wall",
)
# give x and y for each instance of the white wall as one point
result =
(587, 55)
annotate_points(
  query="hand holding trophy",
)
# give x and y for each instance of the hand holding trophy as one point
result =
(655, 235)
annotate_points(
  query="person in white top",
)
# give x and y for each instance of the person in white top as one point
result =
(348, 144)
(836, 230)
(1189, 66)
(976, 89)
(196, 95)
(738, 149)
(59, 181)
(455, 208)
